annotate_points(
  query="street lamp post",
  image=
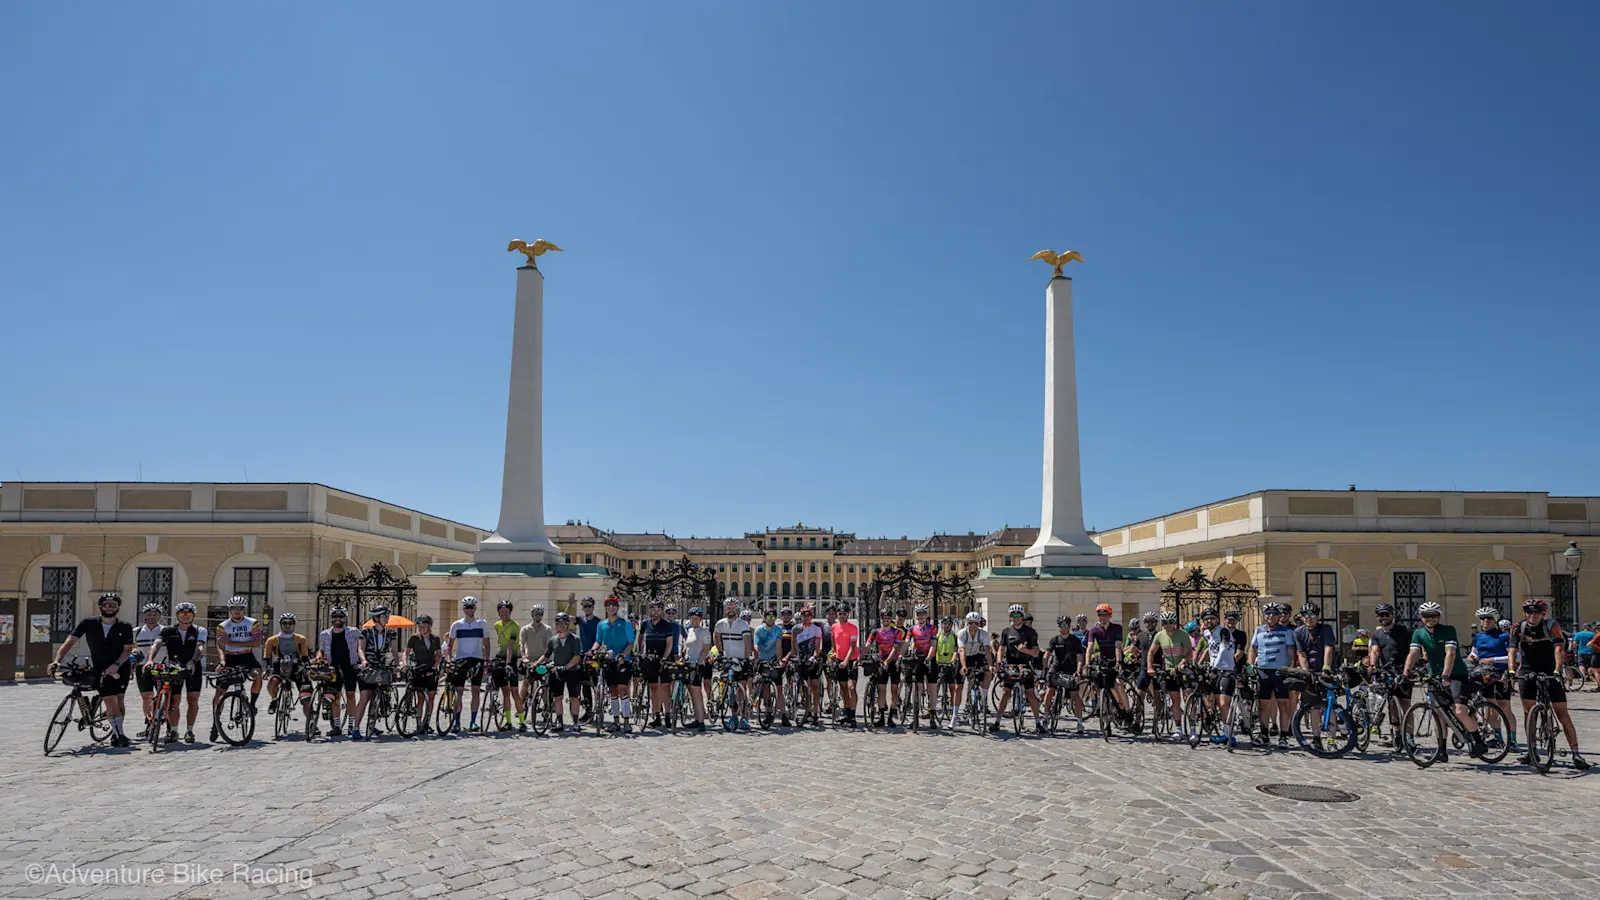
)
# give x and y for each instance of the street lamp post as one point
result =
(1573, 557)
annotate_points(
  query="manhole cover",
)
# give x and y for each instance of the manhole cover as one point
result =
(1309, 792)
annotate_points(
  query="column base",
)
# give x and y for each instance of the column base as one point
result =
(496, 549)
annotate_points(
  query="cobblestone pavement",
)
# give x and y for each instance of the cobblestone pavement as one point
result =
(819, 814)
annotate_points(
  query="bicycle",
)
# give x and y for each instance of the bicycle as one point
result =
(1424, 737)
(1326, 730)
(447, 717)
(381, 708)
(1064, 684)
(768, 682)
(1014, 677)
(1161, 713)
(910, 708)
(972, 703)
(1112, 713)
(235, 717)
(408, 719)
(1543, 726)
(1245, 711)
(799, 697)
(731, 706)
(871, 708)
(167, 678)
(494, 714)
(1201, 718)
(320, 676)
(1492, 725)
(595, 662)
(541, 709)
(78, 707)
(944, 711)
(642, 695)
(282, 706)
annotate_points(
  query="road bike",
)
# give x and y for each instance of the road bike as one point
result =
(285, 671)
(235, 716)
(973, 703)
(945, 710)
(910, 709)
(409, 708)
(1202, 720)
(168, 679)
(380, 709)
(447, 715)
(1113, 714)
(801, 698)
(541, 703)
(322, 678)
(1328, 729)
(1015, 678)
(1062, 685)
(730, 705)
(1491, 719)
(494, 714)
(871, 707)
(80, 707)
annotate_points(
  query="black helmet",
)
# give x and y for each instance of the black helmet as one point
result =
(377, 611)
(1063, 621)
(111, 596)
(1533, 604)
(424, 619)
(1384, 609)
(503, 604)
(1311, 609)
(1208, 613)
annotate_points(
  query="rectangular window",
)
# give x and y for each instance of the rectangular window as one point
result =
(785, 567)
(567, 557)
(155, 586)
(1008, 562)
(1410, 589)
(1494, 589)
(722, 567)
(588, 559)
(761, 567)
(1322, 589)
(61, 596)
(813, 542)
(250, 582)
(630, 563)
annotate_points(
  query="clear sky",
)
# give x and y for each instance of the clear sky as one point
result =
(1326, 244)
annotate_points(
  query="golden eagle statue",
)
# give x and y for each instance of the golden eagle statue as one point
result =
(1057, 259)
(532, 250)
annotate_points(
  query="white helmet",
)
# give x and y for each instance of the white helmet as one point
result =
(1488, 612)
(1430, 606)
(237, 600)
(1016, 608)
(469, 601)
(974, 616)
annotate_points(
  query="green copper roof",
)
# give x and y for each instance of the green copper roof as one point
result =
(1108, 573)
(535, 570)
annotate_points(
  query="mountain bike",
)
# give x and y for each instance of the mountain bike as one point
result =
(235, 717)
(1326, 729)
(1543, 726)
(80, 707)
(168, 679)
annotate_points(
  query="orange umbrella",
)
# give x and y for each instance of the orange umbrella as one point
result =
(394, 622)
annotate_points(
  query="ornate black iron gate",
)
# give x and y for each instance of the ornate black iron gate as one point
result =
(1188, 596)
(683, 583)
(904, 586)
(358, 594)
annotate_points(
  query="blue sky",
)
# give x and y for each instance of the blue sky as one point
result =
(1326, 244)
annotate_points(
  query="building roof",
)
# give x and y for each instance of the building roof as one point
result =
(720, 545)
(1010, 537)
(951, 543)
(645, 541)
(879, 547)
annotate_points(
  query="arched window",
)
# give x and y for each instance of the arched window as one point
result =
(838, 589)
(811, 591)
(852, 588)
(786, 590)
(747, 588)
(772, 589)
(825, 594)
(722, 590)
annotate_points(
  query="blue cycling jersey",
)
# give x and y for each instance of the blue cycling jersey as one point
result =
(1273, 645)
(1489, 644)
(614, 636)
(588, 627)
(767, 637)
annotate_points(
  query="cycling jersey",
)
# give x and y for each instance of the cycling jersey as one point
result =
(972, 643)
(1433, 645)
(1536, 645)
(342, 652)
(588, 627)
(1394, 644)
(945, 647)
(1173, 646)
(423, 652)
(297, 646)
(380, 644)
(1105, 639)
(235, 635)
(1064, 652)
(696, 643)
(1313, 644)
(885, 639)
(614, 635)
(808, 641)
(534, 640)
(1015, 640)
(507, 640)
(145, 637)
(564, 648)
(660, 638)
(1273, 643)
(845, 635)
(1141, 641)
(767, 637)
(1582, 639)
(1492, 646)
(181, 644)
(922, 638)
(471, 636)
(1221, 643)
(786, 638)
(735, 635)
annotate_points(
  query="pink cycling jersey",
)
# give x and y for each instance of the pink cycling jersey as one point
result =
(922, 637)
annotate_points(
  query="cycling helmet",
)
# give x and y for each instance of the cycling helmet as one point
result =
(613, 601)
(185, 607)
(1488, 612)
(153, 608)
(1063, 621)
(672, 609)
(1151, 617)
(112, 596)
(563, 616)
(769, 614)
(538, 609)
(586, 603)
(1311, 609)
(1430, 608)
(1231, 614)
(1504, 623)
(1016, 609)
(746, 615)
(1027, 617)
(377, 611)
(1384, 609)
(697, 611)
(469, 602)
(974, 617)
(948, 620)
(504, 604)
(339, 611)
(235, 601)
(922, 607)
(1082, 619)
(786, 611)
(1167, 618)
(900, 612)
(1103, 609)
(1269, 609)
(1208, 613)
(287, 617)
(1191, 627)
(1533, 604)
(1362, 632)
(426, 619)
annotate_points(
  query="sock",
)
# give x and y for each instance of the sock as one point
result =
(116, 724)
(616, 707)
(627, 707)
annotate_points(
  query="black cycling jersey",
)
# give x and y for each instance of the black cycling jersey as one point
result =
(659, 638)
(1536, 644)
(1394, 645)
(1064, 652)
(1014, 640)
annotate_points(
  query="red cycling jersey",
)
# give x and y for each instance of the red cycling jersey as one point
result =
(922, 637)
(887, 638)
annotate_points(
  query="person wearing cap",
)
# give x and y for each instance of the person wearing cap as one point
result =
(616, 634)
(422, 654)
(467, 646)
(238, 636)
(110, 643)
(565, 657)
(532, 641)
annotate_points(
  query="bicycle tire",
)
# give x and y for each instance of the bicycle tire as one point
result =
(1108, 713)
(236, 721)
(59, 723)
(99, 722)
(280, 716)
(916, 706)
(1541, 738)
(1325, 741)
(1492, 728)
(1424, 745)
(447, 718)
(408, 714)
(1194, 719)
(766, 704)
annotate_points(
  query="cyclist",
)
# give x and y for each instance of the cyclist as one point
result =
(786, 656)
(1391, 644)
(846, 656)
(145, 637)
(1272, 651)
(1580, 645)
(921, 637)
(377, 650)
(1080, 629)
(238, 637)
(1104, 639)
(1436, 643)
(616, 634)
(565, 655)
(588, 624)
(508, 649)
(1223, 649)
(941, 661)
(533, 641)
(1314, 640)
(1537, 648)
(1491, 646)
(1173, 648)
(285, 656)
(337, 646)
(1141, 640)
(768, 637)
(885, 641)
(1020, 644)
(1066, 656)
(658, 637)
(422, 655)
(183, 644)
(466, 648)
(733, 641)
(697, 653)
(806, 656)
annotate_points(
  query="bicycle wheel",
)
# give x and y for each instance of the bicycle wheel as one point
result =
(1196, 722)
(236, 721)
(915, 705)
(59, 723)
(158, 721)
(1160, 718)
(1325, 732)
(280, 716)
(800, 705)
(1492, 727)
(1570, 677)
(1424, 738)
(1362, 725)
(408, 713)
(1541, 738)
(767, 704)
(446, 716)
(1018, 701)
(1108, 712)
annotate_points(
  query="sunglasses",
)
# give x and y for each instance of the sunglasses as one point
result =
(1429, 616)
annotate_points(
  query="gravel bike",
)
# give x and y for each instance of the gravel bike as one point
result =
(973, 703)
(168, 679)
(1543, 725)
(408, 709)
(1112, 713)
(380, 709)
(1492, 724)
(1327, 729)
(235, 717)
(80, 707)
(1201, 718)
(768, 684)
(541, 703)
(1427, 724)
(730, 705)
(910, 709)
(321, 676)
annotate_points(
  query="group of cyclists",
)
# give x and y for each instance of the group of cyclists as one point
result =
(810, 666)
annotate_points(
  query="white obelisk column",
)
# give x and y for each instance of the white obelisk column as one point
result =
(1062, 538)
(521, 536)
